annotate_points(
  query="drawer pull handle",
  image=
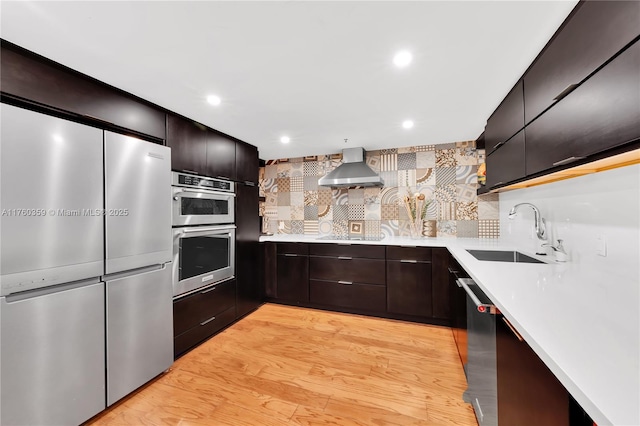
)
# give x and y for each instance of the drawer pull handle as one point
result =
(496, 146)
(408, 261)
(344, 244)
(498, 183)
(345, 257)
(207, 321)
(209, 289)
(570, 88)
(513, 330)
(409, 246)
(291, 255)
(567, 161)
(345, 282)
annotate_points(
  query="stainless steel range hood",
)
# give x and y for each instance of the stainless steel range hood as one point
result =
(352, 172)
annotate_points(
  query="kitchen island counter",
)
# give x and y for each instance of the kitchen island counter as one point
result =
(581, 321)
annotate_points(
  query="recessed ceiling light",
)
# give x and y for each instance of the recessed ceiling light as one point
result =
(285, 139)
(407, 124)
(402, 58)
(214, 100)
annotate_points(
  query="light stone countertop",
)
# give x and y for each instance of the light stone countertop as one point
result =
(582, 322)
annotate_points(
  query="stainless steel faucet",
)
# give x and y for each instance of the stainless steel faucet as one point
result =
(539, 224)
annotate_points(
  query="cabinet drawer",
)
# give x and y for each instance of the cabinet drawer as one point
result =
(596, 32)
(355, 250)
(409, 253)
(507, 163)
(600, 114)
(369, 271)
(202, 331)
(360, 296)
(198, 307)
(293, 248)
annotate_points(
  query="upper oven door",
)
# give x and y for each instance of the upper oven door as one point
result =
(201, 207)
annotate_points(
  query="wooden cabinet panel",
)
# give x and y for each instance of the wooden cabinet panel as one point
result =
(39, 80)
(409, 288)
(246, 163)
(357, 296)
(507, 163)
(507, 119)
(293, 278)
(528, 393)
(370, 271)
(188, 143)
(269, 268)
(602, 113)
(249, 287)
(409, 253)
(293, 248)
(202, 332)
(592, 35)
(349, 250)
(221, 156)
(440, 288)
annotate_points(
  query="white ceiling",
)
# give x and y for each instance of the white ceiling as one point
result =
(318, 72)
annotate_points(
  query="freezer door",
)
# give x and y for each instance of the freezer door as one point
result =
(52, 356)
(138, 203)
(51, 199)
(139, 330)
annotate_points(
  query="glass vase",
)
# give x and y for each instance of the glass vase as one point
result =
(416, 228)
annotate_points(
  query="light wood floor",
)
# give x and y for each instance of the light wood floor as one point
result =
(295, 366)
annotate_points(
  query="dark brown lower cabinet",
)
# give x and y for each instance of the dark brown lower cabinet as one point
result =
(200, 315)
(292, 281)
(369, 297)
(409, 287)
(528, 392)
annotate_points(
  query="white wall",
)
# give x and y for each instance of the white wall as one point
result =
(579, 210)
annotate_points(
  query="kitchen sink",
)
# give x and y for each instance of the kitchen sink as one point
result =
(503, 256)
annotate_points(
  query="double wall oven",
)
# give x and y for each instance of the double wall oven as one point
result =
(203, 232)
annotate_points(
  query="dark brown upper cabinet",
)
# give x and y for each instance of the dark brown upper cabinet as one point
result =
(507, 163)
(595, 32)
(246, 163)
(188, 142)
(602, 113)
(221, 156)
(507, 119)
(32, 78)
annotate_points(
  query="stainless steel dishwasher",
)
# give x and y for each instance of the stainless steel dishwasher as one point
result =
(482, 390)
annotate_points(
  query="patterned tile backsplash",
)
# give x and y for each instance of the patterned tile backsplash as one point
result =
(445, 174)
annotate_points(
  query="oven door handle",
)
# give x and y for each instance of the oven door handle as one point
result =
(189, 231)
(206, 192)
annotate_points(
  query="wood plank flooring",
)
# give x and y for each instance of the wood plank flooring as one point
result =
(284, 365)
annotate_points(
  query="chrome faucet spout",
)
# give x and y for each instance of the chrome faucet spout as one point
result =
(538, 219)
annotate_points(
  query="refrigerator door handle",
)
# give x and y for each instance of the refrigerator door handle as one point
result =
(137, 271)
(29, 294)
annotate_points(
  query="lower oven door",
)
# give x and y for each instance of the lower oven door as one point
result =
(202, 256)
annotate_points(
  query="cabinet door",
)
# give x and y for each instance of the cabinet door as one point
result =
(247, 246)
(409, 288)
(44, 82)
(293, 278)
(188, 143)
(440, 288)
(246, 163)
(528, 393)
(602, 113)
(507, 163)
(591, 36)
(221, 156)
(507, 119)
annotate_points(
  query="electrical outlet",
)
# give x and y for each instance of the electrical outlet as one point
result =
(281, 224)
(601, 246)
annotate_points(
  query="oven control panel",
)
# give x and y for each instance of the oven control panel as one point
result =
(192, 181)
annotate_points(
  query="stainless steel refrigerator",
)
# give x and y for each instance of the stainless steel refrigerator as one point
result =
(85, 286)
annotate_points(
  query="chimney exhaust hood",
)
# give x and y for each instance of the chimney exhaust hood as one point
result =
(352, 172)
